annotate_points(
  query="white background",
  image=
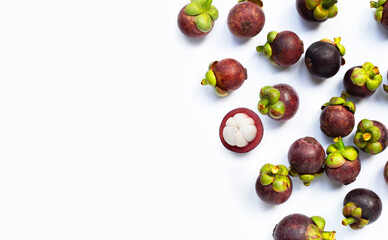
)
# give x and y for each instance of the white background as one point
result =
(106, 132)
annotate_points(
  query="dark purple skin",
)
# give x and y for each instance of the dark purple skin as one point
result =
(368, 201)
(386, 173)
(187, 26)
(336, 121)
(354, 90)
(270, 196)
(292, 227)
(323, 60)
(246, 19)
(384, 19)
(290, 99)
(305, 13)
(345, 174)
(306, 155)
(287, 48)
(230, 74)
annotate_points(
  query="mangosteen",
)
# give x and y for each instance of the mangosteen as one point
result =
(317, 11)
(362, 81)
(300, 227)
(225, 76)
(306, 157)
(283, 48)
(381, 14)
(361, 207)
(273, 185)
(324, 58)
(371, 136)
(196, 19)
(246, 19)
(342, 164)
(337, 117)
(280, 102)
(386, 173)
(241, 130)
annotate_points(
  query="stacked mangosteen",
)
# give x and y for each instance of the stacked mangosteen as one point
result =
(241, 129)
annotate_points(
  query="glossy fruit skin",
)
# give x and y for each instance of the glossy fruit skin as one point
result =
(368, 201)
(287, 48)
(270, 196)
(306, 155)
(230, 74)
(306, 13)
(354, 90)
(336, 121)
(246, 19)
(292, 227)
(323, 60)
(345, 174)
(386, 173)
(258, 124)
(187, 26)
(290, 99)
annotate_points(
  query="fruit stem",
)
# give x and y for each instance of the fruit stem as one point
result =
(208, 4)
(328, 3)
(344, 95)
(328, 235)
(263, 103)
(348, 221)
(275, 170)
(340, 143)
(366, 136)
(204, 82)
(373, 4)
(260, 48)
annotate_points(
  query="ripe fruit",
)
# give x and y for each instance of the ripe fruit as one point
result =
(280, 102)
(381, 14)
(362, 81)
(324, 58)
(361, 207)
(225, 76)
(300, 227)
(196, 19)
(283, 48)
(273, 185)
(342, 164)
(371, 136)
(337, 117)
(246, 19)
(241, 130)
(306, 157)
(317, 10)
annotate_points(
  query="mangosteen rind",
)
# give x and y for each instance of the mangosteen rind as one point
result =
(371, 136)
(379, 5)
(338, 154)
(317, 11)
(366, 78)
(205, 14)
(275, 175)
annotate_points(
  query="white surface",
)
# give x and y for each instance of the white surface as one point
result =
(106, 132)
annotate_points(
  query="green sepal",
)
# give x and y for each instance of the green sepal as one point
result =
(281, 183)
(319, 222)
(373, 148)
(379, 14)
(328, 3)
(356, 213)
(263, 90)
(335, 160)
(220, 92)
(348, 209)
(273, 95)
(277, 110)
(375, 132)
(194, 9)
(266, 179)
(199, 1)
(350, 106)
(359, 77)
(282, 170)
(271, 36)
(363, 125)
(313, 232)
(331, 148)
(336, 101)
(320, 13)
(350, 153)
(360, 224)
(306, 178)
(267, 50)
(213, 13)
(333, 11)
(311, 4)
(203, 22)
(266, 168)
(211, 78)
(373, 84)
(359, 141)
(262, 106)
(341, 49)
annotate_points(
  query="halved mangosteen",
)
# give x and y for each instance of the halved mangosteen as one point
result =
(241, 130)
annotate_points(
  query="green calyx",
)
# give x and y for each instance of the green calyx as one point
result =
(368, 75)
(258, 2)
(205, 14)
(353, 214)
(277, 175)
(367, 137)
(379, 5)
(322, 9)
(266, 48)
(270, 104)
(338, 154)
(306, 178)
(316, 230)
(210, 79)
(341, 101)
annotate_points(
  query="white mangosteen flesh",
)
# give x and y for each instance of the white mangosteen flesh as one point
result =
(239, 130)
